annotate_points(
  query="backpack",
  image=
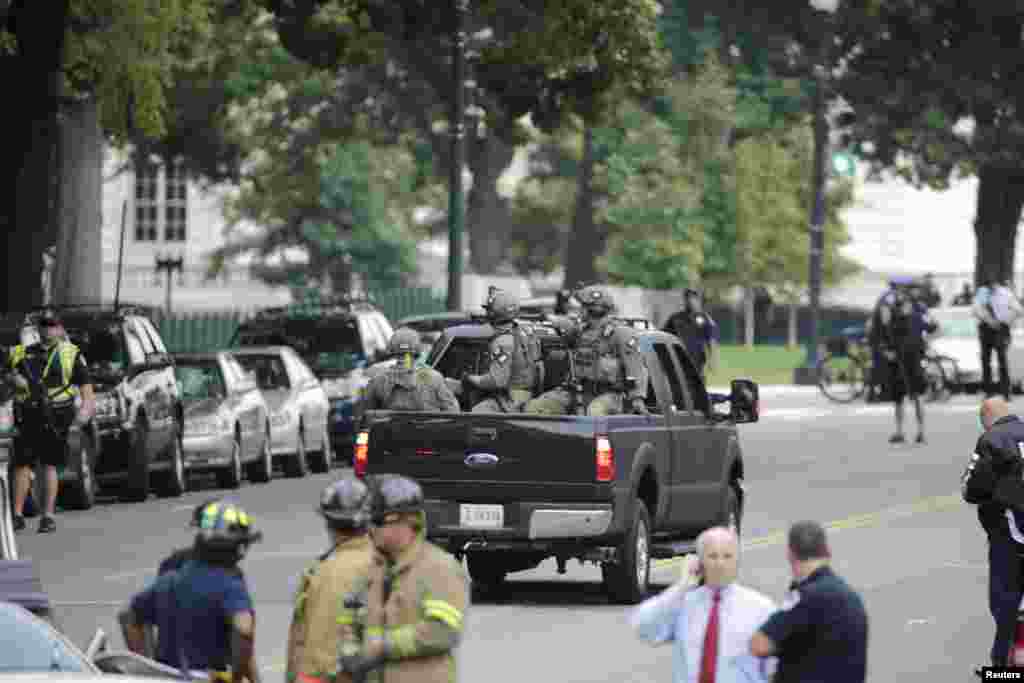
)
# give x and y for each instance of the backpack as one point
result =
(525, 339)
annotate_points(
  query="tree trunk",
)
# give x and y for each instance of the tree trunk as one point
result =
(27, 165)
(586, 240)
(748, 317)
(794, 313)
(79, 268)
(487, 212)
(999, 202)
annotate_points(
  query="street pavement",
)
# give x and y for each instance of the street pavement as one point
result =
(899, 533)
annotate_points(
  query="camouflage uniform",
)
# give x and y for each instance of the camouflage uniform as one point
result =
(605, 355)
(406, 387)
(514, 352)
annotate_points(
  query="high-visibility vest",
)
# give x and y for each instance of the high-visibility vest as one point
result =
(67, 352)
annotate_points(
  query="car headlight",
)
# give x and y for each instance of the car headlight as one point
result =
(282, 418)
(206, 426)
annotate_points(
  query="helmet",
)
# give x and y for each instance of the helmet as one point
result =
(501, 306)
(691, 291)
(395, 494)
(345, 504)
(404, 340)
(224, 525)
(596, 300)
(197, 513)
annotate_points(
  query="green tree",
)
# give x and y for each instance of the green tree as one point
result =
(118, 51)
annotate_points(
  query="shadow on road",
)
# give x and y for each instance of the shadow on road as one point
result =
(549, 594)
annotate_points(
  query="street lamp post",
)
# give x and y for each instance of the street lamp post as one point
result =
(169, 265)
(808, 374)
(457, 132)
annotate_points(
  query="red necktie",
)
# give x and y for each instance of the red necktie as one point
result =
(709, 656)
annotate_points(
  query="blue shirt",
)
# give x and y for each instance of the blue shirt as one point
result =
(193, 608)
(682, 619)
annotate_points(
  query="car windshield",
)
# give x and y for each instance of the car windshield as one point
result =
(957, 324)
(27, 644)
(268, 369)
(102, 347)
(199, 380)
(331, 347)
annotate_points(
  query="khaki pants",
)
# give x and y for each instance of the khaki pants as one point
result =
(512, 404)
(557, 402)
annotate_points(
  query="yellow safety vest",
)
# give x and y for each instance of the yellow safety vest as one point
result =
(67, 353)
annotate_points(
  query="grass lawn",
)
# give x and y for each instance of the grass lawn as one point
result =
(763, 364)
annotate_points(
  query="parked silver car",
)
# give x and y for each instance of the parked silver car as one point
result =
(227, 424)
(298, 408)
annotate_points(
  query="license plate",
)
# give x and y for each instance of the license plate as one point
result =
(482, 516)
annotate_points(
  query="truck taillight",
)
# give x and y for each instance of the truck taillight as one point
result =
(362, 453)
(605, 459)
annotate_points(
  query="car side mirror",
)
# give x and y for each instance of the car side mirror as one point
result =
(744, 401)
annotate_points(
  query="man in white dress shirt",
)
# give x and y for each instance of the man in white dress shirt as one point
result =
(683, 613)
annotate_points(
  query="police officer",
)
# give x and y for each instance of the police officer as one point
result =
(405, 386)
(407, 616)
(313, 638)
(513, 374)
(180, 604)
(898, 335)
(695, 328)
(821, 631)
(48, 378)
(992, 481)
(607, 362)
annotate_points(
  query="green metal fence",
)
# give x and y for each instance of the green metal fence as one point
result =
(203, 332)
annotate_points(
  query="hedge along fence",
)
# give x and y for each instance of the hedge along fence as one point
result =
(203, 332)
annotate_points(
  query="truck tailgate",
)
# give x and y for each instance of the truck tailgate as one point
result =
(489, 458)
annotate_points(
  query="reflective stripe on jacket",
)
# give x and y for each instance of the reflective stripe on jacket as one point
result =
(67, 352)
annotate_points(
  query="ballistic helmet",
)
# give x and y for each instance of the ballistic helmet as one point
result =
(501, 306)
(404, 340)
(596, 300)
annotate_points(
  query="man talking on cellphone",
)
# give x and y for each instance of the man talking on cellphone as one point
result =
(692, 614)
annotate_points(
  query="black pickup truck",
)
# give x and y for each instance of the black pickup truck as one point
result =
(509, 490)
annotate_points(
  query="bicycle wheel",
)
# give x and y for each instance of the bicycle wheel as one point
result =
(938, 389)
(841, 378)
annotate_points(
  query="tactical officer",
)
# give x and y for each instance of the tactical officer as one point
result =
(405, 386)
(992, 481)
(48, 378)
(407, 615)
(821, 631)
(182, 604)
(313, 637)
(695, 328)
(515, 369)
(607, 363)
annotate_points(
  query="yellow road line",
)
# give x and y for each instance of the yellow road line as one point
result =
(932, 504)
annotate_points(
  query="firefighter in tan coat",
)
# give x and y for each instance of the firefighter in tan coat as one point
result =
(405, 621)
(313, 637)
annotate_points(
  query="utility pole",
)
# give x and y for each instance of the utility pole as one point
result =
(170, 266)
(457, 131)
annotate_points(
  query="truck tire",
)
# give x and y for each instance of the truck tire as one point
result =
(297, 466)
(262, 471)
(80, 492)
(136, 488)
(486, 570)
(626, 581)
(173, 482)
(733, 517)
(230, 477)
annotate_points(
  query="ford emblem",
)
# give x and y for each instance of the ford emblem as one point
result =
(481, 460)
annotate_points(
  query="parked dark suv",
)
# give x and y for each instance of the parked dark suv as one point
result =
(138, 422)
(339, 340)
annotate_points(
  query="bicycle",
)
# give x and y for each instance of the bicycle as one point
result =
(846, 366)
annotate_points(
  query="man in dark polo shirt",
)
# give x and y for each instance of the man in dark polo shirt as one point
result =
(820, 635)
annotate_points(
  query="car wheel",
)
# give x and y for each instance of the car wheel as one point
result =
(174, 481)
(298, 465)
(262, 471)
(80, 494)
(323, 461)
(136, 488)
(626, 581)
(231, 476)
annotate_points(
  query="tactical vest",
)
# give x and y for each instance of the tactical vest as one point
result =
(67, 352)
(528, 367)
(407, 389)
(597, 359)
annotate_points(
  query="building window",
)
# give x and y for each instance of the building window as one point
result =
(176, 203)
(161, 203)
(146, 179)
